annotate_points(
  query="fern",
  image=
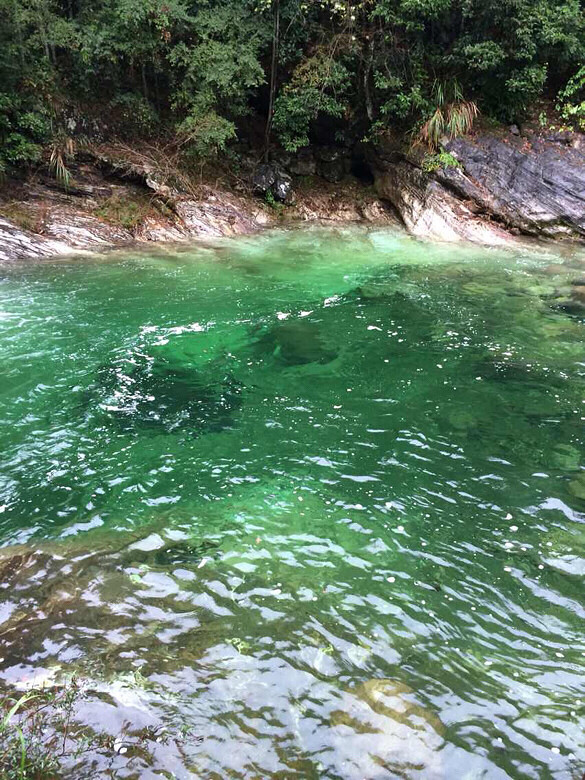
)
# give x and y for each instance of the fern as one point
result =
(443, 159)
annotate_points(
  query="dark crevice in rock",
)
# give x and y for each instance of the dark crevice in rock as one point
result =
(361, 169)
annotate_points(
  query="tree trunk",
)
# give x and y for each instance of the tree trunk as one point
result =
(144, 83)
(273, 75)
(367, 73)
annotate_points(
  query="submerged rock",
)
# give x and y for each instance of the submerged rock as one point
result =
(570, 306)
(380, 720)
(296, 343)
(160, 393)
(578, 292)
(577, 486)
(462, 420)
(183, 552)
(516, 371)
(378, 290)
(555, 269)
(565, 457)
(393, 698)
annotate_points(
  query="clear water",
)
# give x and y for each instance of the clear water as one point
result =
(316, 497)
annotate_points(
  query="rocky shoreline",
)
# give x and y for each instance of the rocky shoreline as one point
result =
(115, 202)
(495, 189)
(502, 185)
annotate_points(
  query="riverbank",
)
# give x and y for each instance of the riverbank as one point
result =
(118, 198)
(493, 188)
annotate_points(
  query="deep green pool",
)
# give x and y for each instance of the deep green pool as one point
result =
(316, 496)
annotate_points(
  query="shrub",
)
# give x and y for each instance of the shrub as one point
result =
(452, 117)
(443, 159)
(571, 99)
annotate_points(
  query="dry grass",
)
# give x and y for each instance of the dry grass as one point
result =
(172, 168)
(163, 163)
(25, 216)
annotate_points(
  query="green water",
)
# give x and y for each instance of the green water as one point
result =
(316, 497)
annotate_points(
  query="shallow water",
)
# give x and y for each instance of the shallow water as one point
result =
(315, 498)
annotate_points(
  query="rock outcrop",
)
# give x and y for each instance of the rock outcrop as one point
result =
(429, 210)
(537, 186)
(505, 185)
(16, 243)
(116, 199)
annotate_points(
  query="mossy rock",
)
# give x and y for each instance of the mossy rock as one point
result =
(577, 486)
(565, 457)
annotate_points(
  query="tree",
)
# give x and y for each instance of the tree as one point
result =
(207, 70)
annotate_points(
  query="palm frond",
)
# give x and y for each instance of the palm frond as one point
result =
(58, 168)
(452, 117)
(63, 149)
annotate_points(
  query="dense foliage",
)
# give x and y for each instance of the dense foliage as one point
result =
(210, 70)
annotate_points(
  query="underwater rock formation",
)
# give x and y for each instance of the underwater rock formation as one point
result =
(161, 393)
(395, 732)
(296, 343)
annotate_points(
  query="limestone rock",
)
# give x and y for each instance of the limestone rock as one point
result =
(540, 190)
(16, 243)
(503, 186)
(211, 217)
(430, 211)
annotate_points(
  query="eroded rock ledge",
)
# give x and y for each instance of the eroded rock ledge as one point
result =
(505, 186)
(40, 218)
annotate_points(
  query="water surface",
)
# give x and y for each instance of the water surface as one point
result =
(315, 499)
